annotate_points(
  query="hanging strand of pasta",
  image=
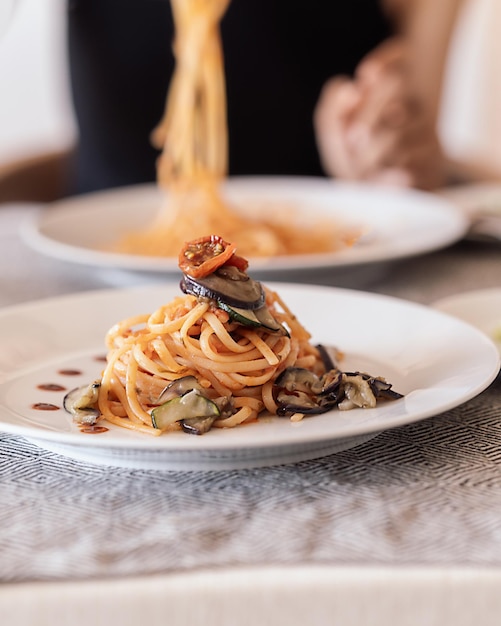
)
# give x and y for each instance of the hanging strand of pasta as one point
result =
(193, 139)
(193, 132)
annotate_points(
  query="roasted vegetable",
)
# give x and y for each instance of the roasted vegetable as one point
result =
(298, 390)
(201, 257)
(228, 285)
(179, 387)
(192, 405)
(255, 318)
(81, 402)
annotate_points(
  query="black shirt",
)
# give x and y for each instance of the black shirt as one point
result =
(278, 54)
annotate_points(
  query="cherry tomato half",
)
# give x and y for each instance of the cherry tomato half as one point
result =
(201, 257)
(238, 261)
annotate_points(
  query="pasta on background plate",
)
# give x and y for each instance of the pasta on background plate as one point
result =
(193, 139)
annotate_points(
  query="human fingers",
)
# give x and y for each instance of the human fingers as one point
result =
(393, 177)
(374, 142)
(426, 164)
(337, 105)
(381, 147)
(417, 152)
(427, 175)
(385, 105)
(389, 56)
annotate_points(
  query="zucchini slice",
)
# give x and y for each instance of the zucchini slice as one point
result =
(246, 317)
(254, 318)
(192, 404)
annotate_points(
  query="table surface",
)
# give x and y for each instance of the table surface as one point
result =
(423, 495)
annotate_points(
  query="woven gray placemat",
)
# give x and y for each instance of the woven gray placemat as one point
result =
(428, 493)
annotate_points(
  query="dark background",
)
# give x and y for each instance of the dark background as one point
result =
(278, 54)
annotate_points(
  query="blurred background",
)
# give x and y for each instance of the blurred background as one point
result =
(35, 108)
(36, 115)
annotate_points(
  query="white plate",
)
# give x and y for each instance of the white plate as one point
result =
(481, 308)
(437, 361)
(481, 203)
(398, 223)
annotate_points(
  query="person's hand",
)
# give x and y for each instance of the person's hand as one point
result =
(372, 128)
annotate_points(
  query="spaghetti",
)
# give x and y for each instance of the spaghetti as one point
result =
(233, 364)
(193, 139)
(218, 356)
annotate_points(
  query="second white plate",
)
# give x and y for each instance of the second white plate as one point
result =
(480, 307)
(397, 222)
